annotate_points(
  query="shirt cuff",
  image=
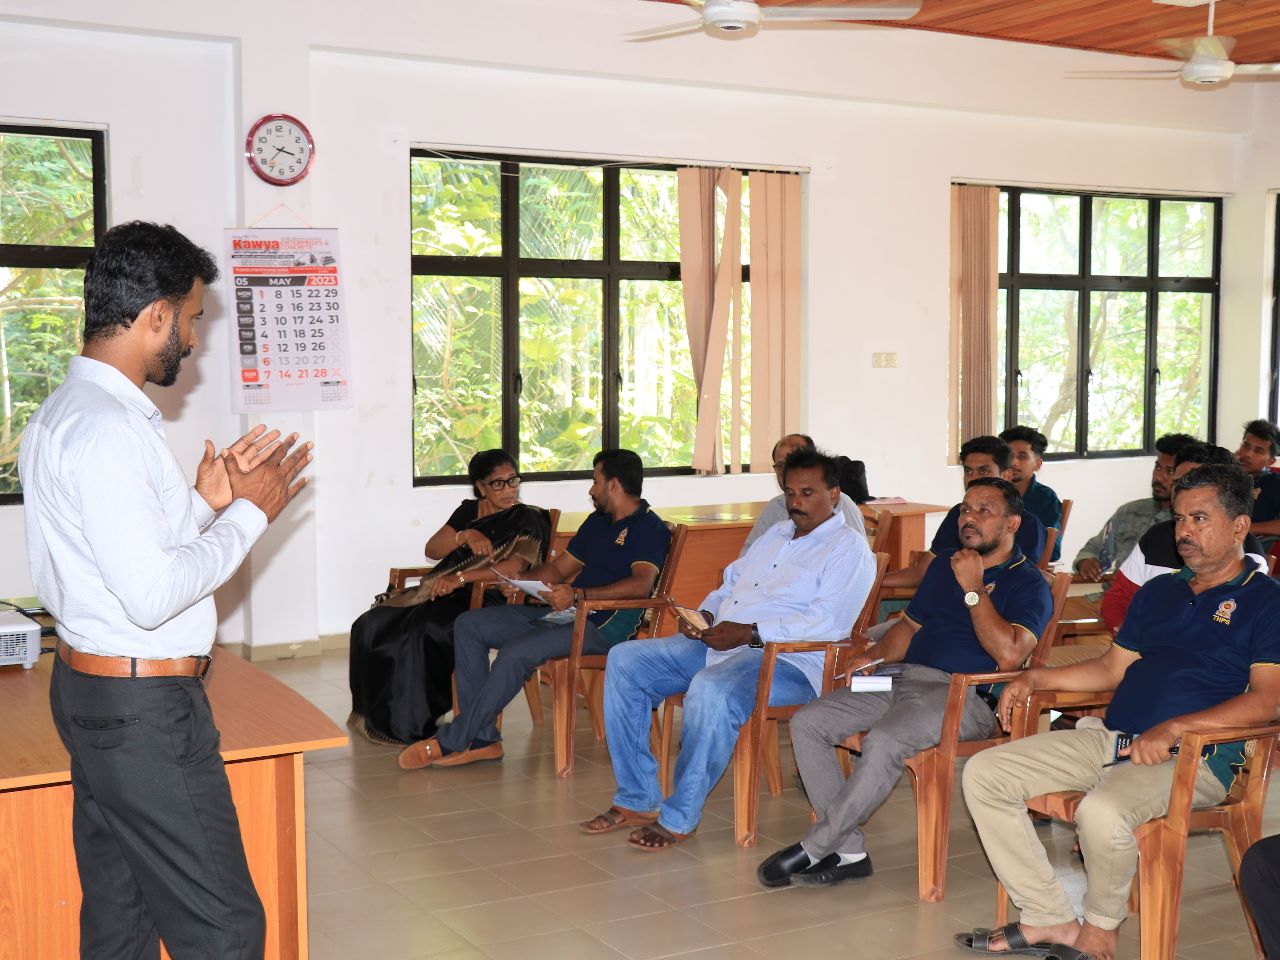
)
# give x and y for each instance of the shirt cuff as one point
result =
(247, 517)
(200, 508)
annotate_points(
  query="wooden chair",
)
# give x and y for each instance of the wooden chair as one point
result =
(1062, 522)
(1162, 842)
(564, 674)
(757, 744)
(878, 524)
(399, 578)
(933, 770)
(1046, 555)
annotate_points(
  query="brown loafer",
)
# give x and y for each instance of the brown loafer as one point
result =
(492, 752)
(424, 753)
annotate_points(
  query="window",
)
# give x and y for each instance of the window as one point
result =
(1108, 311)
(548, 315)
(52, 206)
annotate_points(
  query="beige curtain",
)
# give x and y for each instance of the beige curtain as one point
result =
(775, 312)
(975, 281)
(712, 285)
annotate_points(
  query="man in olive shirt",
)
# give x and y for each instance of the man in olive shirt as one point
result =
(1131, 520)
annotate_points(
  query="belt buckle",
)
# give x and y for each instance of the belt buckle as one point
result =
(203, 669)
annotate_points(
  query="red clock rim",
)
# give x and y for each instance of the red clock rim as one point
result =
(263, 175)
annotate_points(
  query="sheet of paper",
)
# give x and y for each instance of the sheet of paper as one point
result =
(875, 682)
(534, 588)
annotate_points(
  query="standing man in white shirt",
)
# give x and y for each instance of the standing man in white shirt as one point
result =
(126, 556)
(805, 579)
(775, 511)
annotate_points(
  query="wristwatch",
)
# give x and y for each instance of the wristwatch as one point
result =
(756, 640)
(972, 599)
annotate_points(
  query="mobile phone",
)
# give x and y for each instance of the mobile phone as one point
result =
(693, 618)
(1123, 742)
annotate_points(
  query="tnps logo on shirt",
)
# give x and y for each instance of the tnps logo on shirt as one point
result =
(622, 537)
(1224, 611)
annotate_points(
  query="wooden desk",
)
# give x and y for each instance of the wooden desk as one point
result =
(265, 728)
(717, 532)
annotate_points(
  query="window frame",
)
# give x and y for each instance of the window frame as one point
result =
(1084, 283)
(510, 267)
(23, 256)
(1273, 375)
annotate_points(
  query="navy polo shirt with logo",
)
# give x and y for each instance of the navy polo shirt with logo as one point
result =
(1029, 538)
(946, 639)
(607, 549)
(1195, 652)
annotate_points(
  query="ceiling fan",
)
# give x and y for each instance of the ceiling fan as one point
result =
(739, 18)
(1206, 59)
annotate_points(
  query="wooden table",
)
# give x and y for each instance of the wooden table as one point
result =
(265, 728)
(717, 531)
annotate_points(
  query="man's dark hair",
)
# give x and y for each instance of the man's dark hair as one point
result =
(134, 265)
(1039, 442)
(623, 466)
(993, 447)
(1234, 487)
(808, 442)
(487, 461)
(1012, 498)
(1265, 430)
(1171, 444)
(1204, 453)
(806, 458)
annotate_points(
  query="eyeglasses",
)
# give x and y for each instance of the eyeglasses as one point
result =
(496, 485)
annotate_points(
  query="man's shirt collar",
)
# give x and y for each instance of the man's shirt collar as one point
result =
(113, 382)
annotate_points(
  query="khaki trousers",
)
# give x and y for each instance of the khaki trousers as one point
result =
(998, 782)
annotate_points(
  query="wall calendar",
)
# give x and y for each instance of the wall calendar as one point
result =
(289, 340)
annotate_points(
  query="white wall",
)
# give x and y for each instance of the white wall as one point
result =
(883, 119)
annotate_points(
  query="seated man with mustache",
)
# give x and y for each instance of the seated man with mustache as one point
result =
(1198, 652)
(805, 579)
(978, 609)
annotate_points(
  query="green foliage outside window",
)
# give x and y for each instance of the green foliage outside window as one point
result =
(1126, 296)
(46, 202)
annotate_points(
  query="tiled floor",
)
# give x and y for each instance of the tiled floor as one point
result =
(485, 861)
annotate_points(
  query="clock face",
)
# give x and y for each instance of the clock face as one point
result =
(279, 149)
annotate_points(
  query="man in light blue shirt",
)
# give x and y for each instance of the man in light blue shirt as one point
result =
(805, 579)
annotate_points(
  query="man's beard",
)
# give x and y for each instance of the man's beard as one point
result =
(982, 548)
(170, 357)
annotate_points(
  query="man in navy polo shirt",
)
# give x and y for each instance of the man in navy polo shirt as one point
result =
(978, 609)
(1198, 651)
(615, 555)
(979, 457)
(1257, 454)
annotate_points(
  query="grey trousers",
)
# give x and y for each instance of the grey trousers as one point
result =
(900, 723)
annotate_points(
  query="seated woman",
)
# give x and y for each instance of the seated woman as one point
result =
(402, 649)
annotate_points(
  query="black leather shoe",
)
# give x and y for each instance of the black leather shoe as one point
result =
(778, 869)
(829, 871)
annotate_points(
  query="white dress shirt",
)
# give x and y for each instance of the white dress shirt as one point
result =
(797, 588)
(775, 511)
(124, 553)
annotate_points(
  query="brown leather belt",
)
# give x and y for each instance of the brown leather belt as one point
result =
(129, 667)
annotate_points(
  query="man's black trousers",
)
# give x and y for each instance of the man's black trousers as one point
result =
(156, 835)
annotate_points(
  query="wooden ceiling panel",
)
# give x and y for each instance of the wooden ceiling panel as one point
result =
(1112, 26)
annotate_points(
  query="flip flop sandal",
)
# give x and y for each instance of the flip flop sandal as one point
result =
(979, 941)
(616, 818)
(665, 839)
(1060, 951)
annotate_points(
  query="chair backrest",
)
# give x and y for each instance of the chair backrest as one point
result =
(1058, 586)
(1066, 515)
(1046, 555)
(554, 514)
(877, 524)
(667, 578)
(872, 603)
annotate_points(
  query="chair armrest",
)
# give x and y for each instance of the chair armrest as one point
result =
(398, 577)
(802, 646)
(1195, 742)
(975, 679)
(640, 603)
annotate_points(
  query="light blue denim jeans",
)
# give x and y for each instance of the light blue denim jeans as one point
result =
(640, 674)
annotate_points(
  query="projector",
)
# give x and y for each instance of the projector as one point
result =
(19, 640)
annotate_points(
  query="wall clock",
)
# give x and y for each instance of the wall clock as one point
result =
(279, 149)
